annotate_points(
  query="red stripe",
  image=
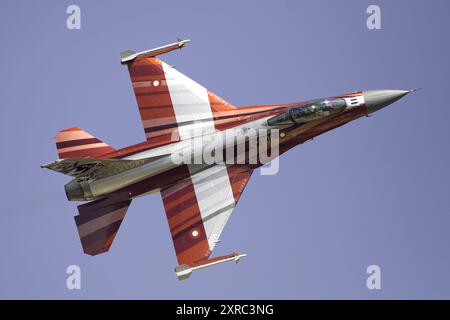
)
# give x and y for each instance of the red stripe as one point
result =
(154, 102)
(90, 152)
(185, 218)
(79, 142)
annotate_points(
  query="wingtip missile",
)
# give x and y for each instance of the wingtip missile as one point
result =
(129, 55)
(182, 43)
(184, 271)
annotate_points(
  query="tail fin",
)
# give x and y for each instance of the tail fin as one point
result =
(76, 143)
(93, 168)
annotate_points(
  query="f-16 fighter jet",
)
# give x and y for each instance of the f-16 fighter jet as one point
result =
(181, 120)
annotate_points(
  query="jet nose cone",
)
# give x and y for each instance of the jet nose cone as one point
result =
(378, 99)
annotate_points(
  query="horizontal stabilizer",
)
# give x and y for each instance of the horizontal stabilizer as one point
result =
(184, 271)
(129, 55)
(98, 222)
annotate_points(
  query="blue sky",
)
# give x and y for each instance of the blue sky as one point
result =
(372, 192)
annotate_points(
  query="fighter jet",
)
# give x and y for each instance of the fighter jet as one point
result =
(198, 197)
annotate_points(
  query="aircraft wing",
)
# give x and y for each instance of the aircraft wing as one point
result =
(197, 210)
(172, 106)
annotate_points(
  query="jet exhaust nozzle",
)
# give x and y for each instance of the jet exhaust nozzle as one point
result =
(78, 191)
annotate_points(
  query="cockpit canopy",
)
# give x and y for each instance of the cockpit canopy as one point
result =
(308, 112)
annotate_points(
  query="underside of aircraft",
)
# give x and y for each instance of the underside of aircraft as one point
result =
(198, 198)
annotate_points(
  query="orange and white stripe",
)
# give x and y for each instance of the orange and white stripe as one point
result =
(76, 143)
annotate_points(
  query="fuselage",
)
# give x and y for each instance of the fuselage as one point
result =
(295, 123)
